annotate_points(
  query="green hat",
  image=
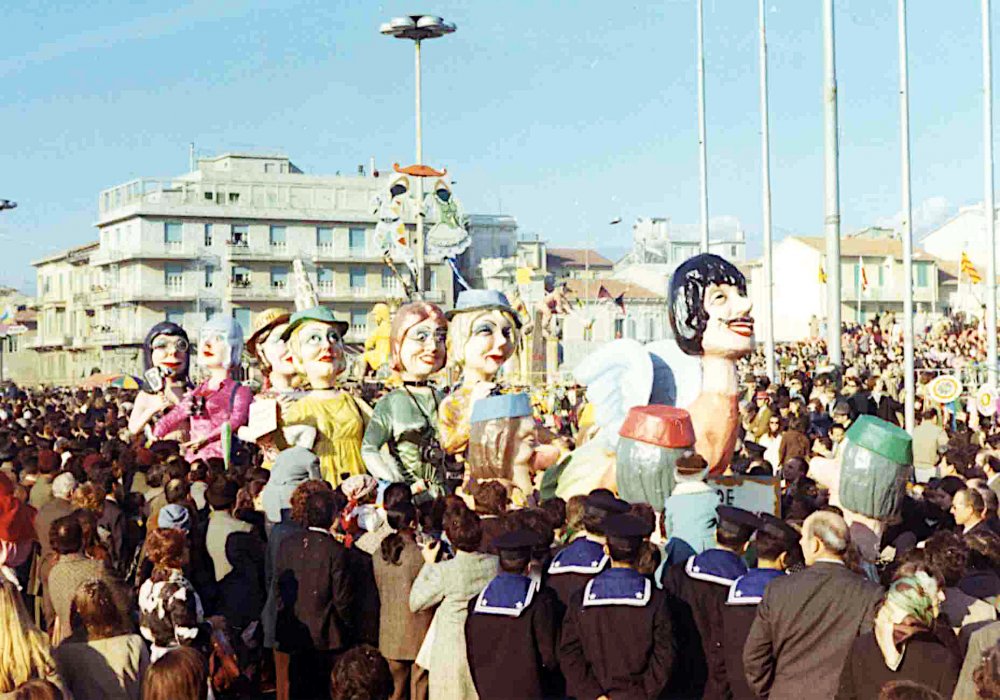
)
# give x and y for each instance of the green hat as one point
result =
(882, 438)
(320, 314)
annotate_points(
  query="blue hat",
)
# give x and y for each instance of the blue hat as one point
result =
(501, 406)
(174, 515)
(483, 300)
(320, 314)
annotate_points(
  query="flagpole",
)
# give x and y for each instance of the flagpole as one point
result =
(861, 277)
(907, 232)
(702, 143)
(765, 159)
(831, 179)
(988, 198)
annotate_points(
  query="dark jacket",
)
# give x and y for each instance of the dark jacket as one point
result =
(314, 598)
(925, 660)
(804, 628)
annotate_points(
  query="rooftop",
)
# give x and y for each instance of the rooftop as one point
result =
(864, 247)
(589, 289)
(576, 257)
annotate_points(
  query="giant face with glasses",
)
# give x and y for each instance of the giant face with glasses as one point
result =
(167, 349)
(418, 341)
(318, 352)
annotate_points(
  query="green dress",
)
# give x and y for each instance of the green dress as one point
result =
(397, 421)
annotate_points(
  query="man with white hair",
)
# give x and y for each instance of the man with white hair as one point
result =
(805, 623)
(59, 506)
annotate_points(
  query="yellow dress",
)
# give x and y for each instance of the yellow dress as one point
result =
(339, 428)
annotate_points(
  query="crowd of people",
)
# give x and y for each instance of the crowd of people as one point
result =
(134, 566)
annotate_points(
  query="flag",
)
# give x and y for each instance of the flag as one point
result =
(970, 270)
(822, 274)
(620, 302)
(603, 294)
(864, 275)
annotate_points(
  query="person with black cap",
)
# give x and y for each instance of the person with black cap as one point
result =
(777, 548)
(617, 638)
(511, 633)
(584, 557)
(699, 588)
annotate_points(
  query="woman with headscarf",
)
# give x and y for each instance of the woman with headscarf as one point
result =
(220, 404)
(405, 420)
(165, 362)
(906, 643)
(17, 533)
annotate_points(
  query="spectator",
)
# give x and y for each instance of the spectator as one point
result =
(102, 658)
(25, 654)
(361, 674)
(179, 675)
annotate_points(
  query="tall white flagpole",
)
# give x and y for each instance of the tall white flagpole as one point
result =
(765, 159)
(702, 140)
(907, 228)
(988, 197)
(831, 182)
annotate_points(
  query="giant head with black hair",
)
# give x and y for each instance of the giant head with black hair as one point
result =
(709, 309)
(167, 348)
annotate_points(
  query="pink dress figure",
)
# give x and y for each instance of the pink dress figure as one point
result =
(218, 400)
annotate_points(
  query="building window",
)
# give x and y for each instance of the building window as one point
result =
(174, 277)
(242, 317)
(631, 328)
(619, 327)
(241, 276)
(172, 234)
(732, 251)
(433, 283)
(175, 315)
(359, 321)
(208, 235)
(881, 275)
(209, 276)
(389, 281)
(279, 277)
(922, 269)
(588, 332)
(358, 278)
(324, 277)
(324, 237)
(234, 197)
(210, 312)
(277, 236)
(356, 240)
(240, 236)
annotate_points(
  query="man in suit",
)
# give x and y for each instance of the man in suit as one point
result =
(991, 467)
(58, 507)
(700, 586)
(806, 623)
(313, 602)
(511, 631)
(617, 638)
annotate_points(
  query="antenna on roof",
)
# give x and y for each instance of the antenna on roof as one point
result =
(191, 157)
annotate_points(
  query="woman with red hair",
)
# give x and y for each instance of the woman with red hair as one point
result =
(406, 419)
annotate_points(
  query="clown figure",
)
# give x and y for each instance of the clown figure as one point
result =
(482, 336)
(404, 421)
(218, 404)
(166, 358)
(315, 339)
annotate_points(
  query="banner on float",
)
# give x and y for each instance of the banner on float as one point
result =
(754, 493)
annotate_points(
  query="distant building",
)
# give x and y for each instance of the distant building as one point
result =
(658, 240)
(220, 239)
(19, 361)
(577, 263)
(491, 236)
(963, 233)
(799, 291)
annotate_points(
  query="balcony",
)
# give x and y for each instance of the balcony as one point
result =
(251, 292)
(347, 253)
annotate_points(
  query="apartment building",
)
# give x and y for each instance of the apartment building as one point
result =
(223, 239)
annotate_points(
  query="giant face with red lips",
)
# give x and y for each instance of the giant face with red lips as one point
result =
(709, 308)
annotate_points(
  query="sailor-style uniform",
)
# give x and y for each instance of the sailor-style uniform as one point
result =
(618, 587)
(507, 594)
(511, 637)
(737, 617)
(618, 621)
(574, 566)
(748, 589)
(701, 585)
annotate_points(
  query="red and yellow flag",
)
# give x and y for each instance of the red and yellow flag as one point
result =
(969, 270)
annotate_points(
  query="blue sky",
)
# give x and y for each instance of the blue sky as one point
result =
(563, 114)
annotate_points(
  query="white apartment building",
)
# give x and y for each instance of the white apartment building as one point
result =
(491, 236)
(963, 233)
(799, 292)
(223, 239)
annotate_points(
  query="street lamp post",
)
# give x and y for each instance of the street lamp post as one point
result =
(417, 28)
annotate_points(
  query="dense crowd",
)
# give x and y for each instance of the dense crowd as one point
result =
(130, 570)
